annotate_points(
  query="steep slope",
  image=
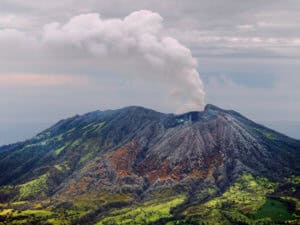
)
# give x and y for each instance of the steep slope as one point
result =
(131, 157)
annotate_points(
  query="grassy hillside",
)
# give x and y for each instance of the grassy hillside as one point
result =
(250, 200)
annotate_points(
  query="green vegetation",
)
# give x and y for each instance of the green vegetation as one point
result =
(59, 167)
(5, 212)
(294, 200)
(245, 202)
(38, 213)
(62, 167)
(61, 216)
(76, 143)
(92, 127)
(19, 203)
(86, 157)
(59, 137)
(275, 210)
(42, 135)
(11, 216)
(59, 150)
(267, 134)
(243, 199)
(34, 187)
(270, 135)
(70, 131)
(293, 179)
(6, 189)
(144, 213)
(247, 195)
(98, 126)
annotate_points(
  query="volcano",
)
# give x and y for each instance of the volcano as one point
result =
(138, 166)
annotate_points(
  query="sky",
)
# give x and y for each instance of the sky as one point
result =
(67, 57)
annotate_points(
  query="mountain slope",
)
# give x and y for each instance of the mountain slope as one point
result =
(128, 159)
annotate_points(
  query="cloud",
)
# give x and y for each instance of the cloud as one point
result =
(32, 80)
(270, 19)
(246, 27)
(135, 46)
(13, 21)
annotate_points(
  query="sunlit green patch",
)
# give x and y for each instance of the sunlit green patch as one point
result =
(86, 157)
(147, 212)
(293, 179)
(92, 127)
(43, 143)
(30, 216)
(90, 148)
(244, 197)
(34, 187)
(66, 216)
(268, 134)
(58, 221)
(43, 135)
(247, 194)
(59, 167)
(25, 217)
(210, 191)
(19, 203)
(82, 205)
(62, 167)
(5, 212)
(39, 213)
(6, 189)
(107, 198)
(98, 126)
(274, 209)
(94, 200)
(60, 149)
(76, 143)
(59, 137)
(71, 130)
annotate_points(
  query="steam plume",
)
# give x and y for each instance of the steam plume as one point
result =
(139, 40)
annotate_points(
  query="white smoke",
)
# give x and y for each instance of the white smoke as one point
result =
(138, 40)
(136, 47)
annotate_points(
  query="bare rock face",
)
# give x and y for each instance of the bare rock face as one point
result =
(137, 150)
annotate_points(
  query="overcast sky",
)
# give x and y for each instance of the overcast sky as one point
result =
(66, 57)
